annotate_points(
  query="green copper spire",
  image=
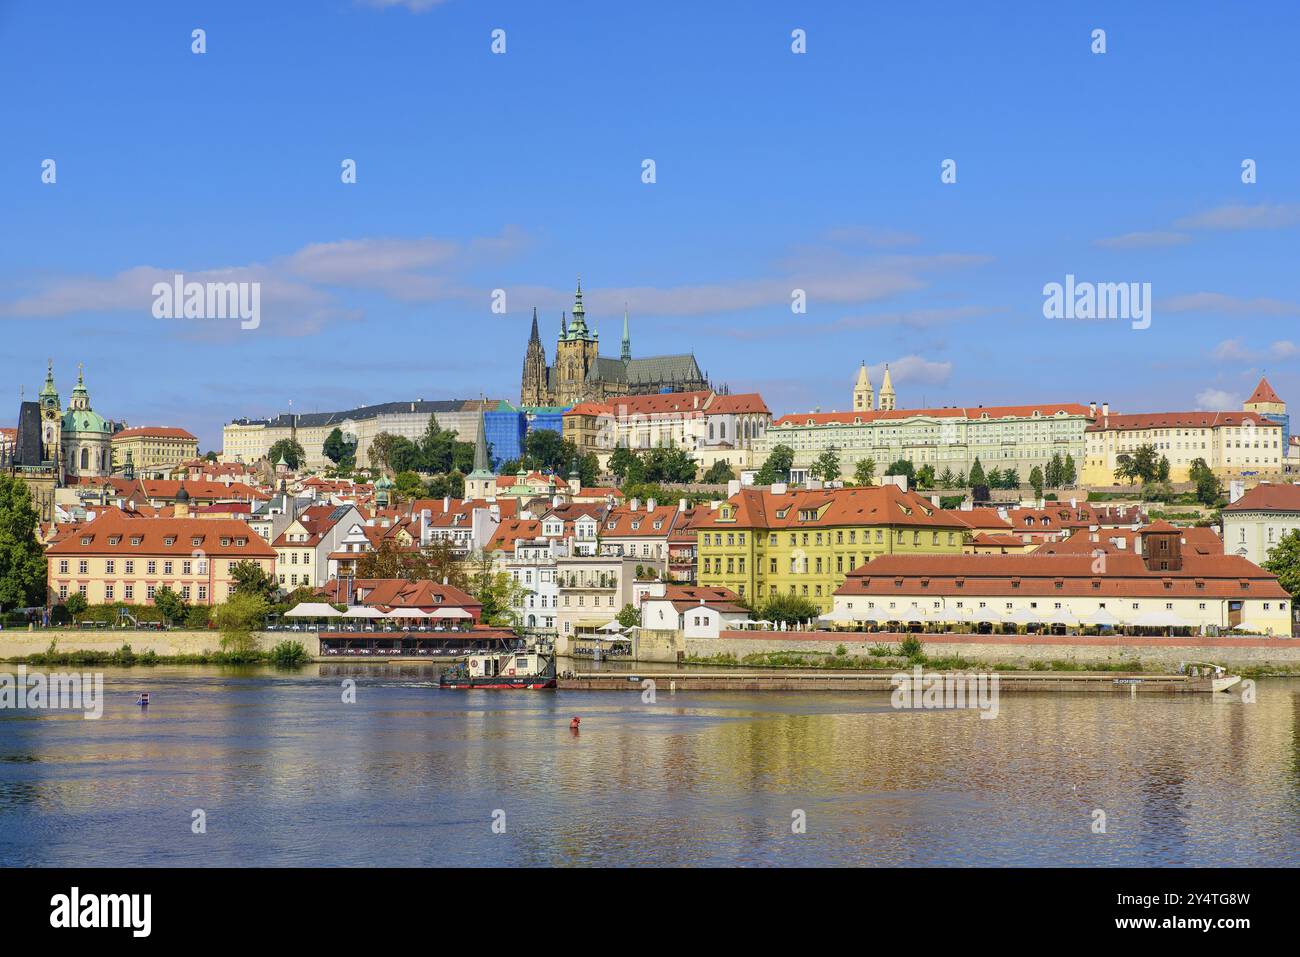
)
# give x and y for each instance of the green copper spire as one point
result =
(482, 464)
(578, 328)
(49, 391)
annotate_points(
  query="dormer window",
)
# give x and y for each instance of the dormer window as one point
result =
(169, 540)
(85, 540)
(135, 540)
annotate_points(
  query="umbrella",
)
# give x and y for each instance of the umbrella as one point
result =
(363, 611)
(409, 613)
(611, 626)
(451, 613)
(1159, 619)
(915, 613)
(313, 609)
(1101, 617)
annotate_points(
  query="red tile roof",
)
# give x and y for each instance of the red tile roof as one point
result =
(112, 533)
(1037, 574)
(860, 505)
(1178, 420)
(1268, 498)
(1264, 393)
(154, 432)
(955, 412)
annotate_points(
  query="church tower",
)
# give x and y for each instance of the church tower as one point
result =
(864, 397)
(887, 392)
(51, 422)
(626, 353)
(534, 389)
(575, 355)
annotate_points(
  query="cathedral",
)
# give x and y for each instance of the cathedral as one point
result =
(581, 374)
(69, 443)
(864, 396)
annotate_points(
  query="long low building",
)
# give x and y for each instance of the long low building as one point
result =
(247, 440)
(1165, 587)
(1016, 437)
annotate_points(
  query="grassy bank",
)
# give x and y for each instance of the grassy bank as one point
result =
(288, 654)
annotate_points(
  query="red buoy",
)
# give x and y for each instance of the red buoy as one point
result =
(573, 725)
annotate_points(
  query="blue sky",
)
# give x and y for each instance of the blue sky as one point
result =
(775, 171)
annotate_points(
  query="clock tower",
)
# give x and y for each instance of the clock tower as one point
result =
(51, 422)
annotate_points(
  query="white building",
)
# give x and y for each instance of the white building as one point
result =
(1257, 520)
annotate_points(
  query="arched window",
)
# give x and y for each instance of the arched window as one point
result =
(85, 459)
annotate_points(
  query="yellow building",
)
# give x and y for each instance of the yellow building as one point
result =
(1234, 445)
(153, 449)
(764, 542)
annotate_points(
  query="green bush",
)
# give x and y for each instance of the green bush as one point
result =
(288, 654)
(911, 648)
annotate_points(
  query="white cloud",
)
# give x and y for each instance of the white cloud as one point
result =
(1217, 400)
(1143, 240)
(912, 370)
(871, 236)
(1229, 305)
(1238, 216)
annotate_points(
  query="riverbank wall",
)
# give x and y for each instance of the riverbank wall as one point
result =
(1018, 650)
(18, 643)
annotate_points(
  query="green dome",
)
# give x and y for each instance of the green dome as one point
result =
(84, 420)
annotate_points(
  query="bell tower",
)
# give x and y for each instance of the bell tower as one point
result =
(51, 421)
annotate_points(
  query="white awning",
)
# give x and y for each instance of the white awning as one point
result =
(1102, 616)
(409, 613)
(313, 609)
(363, 611)
(1159, 619)
(451, 613)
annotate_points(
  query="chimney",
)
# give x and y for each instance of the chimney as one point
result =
(649, 505)
(1092, 409)
(1105, 409)
(681, 505)
(446, 503)
(733, 487)
(1236, 489)
(635, 504)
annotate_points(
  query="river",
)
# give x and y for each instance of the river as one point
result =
(285, 772)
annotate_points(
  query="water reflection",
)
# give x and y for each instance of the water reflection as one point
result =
(409, 775)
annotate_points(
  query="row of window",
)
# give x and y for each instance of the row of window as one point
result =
(198, 566)
(128, 591)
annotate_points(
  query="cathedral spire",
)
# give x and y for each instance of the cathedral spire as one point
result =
(578, 328)
(626, 354)
(534, 337)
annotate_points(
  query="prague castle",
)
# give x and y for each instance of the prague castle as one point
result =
(581, 374)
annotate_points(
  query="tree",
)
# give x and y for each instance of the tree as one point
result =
(381, 447)
(864, 473)
(1162, 469)
(1069, 474)
(946, 478)
(1146, 464)
(251, 579)
(1011, 478)
(827, 466)
(339, 450)
(170, 604)
(76, 605)
(904, 467)
(1125, 468)
(629, 616)
(502, 596)
(625, 464)
(1284, 562)
(241, 615)
(545, 450)
(408, 485)
(22, 563)
(788, 608)
(1052, 477)
(977, 476)
(1208, 489)
(719, 473)
(1036, 476)
(777, 467)
(925, 477)
(290, 451)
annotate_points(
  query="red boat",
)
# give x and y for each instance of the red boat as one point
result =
(504, 671)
